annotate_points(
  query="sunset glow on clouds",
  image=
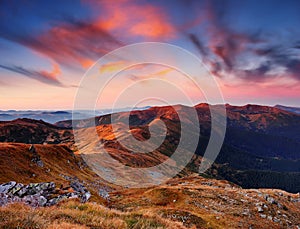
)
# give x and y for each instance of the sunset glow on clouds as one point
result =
(144, 20)
(252, 49)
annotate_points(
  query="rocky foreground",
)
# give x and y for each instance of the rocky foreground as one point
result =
(198, 202)
(188, 202)
(41, 194)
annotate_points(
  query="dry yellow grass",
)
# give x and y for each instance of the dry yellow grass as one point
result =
(72, 214)
(198, 202)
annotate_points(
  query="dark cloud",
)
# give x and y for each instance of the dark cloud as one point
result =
(225, 48)
(70, 42)
(199, 44)
(293, 67)
(42, 76)
(282, 56)
(257, 74)
(223, 45)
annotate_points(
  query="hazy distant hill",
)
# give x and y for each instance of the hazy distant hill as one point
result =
(290, 109)
(55, 116)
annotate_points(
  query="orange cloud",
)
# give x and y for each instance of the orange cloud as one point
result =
(132, 19)
(111, 67)
(164, 72)
(74, 43)
(153, 25)
(80, 43)
(54, 73)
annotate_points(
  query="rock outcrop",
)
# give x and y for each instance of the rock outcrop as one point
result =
(41, 194)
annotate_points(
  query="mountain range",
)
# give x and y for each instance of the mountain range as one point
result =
(254, 182)
(56, 115)
(260, 141)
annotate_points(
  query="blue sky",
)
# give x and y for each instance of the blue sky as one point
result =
(251, 47)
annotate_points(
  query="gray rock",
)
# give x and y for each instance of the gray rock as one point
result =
(263, 216)
(42, 201)
(37, 194)
(271, 200)
(72, 195)
(104, 194)
(276, 220)
(4, 199)
(85, 197)
(16, 189)
(55, 200)
(259, 209)
(35, 200)
(40, 163)
(4, 188)
(32, 149)
(78, 187)
(84, 193)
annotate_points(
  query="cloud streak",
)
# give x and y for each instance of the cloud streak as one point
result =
(42, 76)
(224, 48)
(80, 42)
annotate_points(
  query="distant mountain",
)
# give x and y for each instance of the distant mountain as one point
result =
(260, 141)
(290, 109)
(33, 131)
(56, 116)
(47, 116)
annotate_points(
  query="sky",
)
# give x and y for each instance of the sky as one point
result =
(252, 48)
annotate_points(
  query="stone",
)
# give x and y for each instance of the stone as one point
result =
(16, 189)
(4, 188)
(276, 220)
(3, 199)
(40, 163)
(55, 200)
(85, 197)
(35, 200)
(259, 209)
(271, 200)
(42, 201)
(104, 194)
(263, 216)
(38, 194)
(246, 212)
(84, 193)
(32, 149)
(78, 187)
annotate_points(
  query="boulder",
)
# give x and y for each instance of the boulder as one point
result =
(84, 193)
(16, 189)
(40, 194)
(271, 200)
(4, 188)
(259, 209)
